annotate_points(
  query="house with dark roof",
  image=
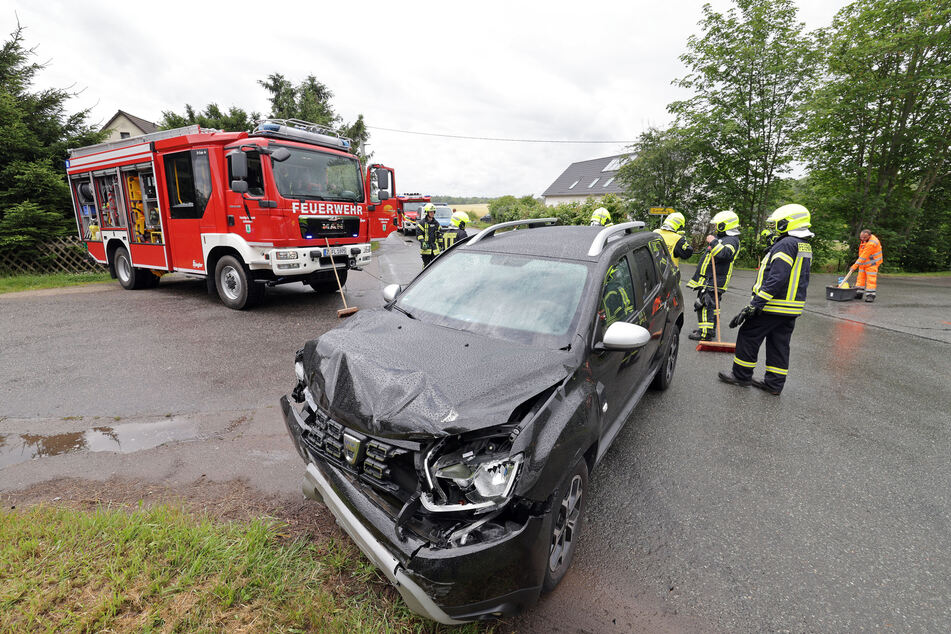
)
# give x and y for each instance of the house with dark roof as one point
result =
(584, 180)
(123, 125)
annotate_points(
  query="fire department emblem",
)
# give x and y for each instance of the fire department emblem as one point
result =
(351, 448)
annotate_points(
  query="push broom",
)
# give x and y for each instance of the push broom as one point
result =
(716, 346)
(345, 311)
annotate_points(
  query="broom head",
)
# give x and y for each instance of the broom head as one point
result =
(346, 312)
(716, 346)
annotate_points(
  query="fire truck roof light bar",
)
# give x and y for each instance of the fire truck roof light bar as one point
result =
(302, 131)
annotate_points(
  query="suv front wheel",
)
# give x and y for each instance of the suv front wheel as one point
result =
(566, 525)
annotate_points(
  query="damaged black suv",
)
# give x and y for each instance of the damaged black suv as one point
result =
(451, 433)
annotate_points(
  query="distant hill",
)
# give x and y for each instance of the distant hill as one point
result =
(461, 200)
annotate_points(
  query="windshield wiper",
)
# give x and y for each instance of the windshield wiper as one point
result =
(405, 312)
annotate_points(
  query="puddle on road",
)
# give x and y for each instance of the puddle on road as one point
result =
(125, 438)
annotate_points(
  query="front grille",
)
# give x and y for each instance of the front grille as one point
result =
(383, 465)
(331, 227)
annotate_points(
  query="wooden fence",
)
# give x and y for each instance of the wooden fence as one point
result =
(66, 255)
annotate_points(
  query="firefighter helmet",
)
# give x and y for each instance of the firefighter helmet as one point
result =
(674, 222)
(429, 207)
(601, 216)
(459, 217)
(727, 222)
(789, 218)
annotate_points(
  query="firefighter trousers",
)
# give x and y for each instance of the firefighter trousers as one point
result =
(867, 279)
(707, 315)
(777, 331)
(427, 258)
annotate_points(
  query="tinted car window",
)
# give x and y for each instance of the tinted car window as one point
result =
(645, 275)
(617, 295)
(661, 256)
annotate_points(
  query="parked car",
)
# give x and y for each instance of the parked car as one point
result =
(452, 432)
(486, 218)
(443, 215)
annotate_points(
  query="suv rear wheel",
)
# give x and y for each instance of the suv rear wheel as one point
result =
(665, 374)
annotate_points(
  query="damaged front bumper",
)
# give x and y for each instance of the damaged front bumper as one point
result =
(451, 585)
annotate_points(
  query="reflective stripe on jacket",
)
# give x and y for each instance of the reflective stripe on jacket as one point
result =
(724, 249)
(783, 277)
(450, 237)
(870, 252)
(676, 244)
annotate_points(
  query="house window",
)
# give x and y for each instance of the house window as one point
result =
(608, 182)
(124, 135)
(614, 165)
(593, 182)
(572, 186)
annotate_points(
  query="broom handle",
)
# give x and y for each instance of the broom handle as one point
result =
(716, 294)
(846, 278)
(334, 265)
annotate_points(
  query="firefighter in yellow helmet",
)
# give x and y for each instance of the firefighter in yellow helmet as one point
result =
(672, 231)
(602, 217)
(723, 247)
(428, 230)
(457, 230)
(779, 295)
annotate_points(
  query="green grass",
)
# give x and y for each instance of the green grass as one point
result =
(16, 283)
(903, 274)
(164, 569)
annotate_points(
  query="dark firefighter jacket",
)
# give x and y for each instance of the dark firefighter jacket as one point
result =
(429, 237)
(724, 249)
(451, 236)
(780, 286)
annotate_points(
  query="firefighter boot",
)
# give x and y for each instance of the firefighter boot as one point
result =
(765, 387)
(732, 379)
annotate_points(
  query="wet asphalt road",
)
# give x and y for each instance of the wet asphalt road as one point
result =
(717, 509)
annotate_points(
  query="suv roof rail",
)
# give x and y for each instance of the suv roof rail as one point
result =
(597, 245)
(527, 222)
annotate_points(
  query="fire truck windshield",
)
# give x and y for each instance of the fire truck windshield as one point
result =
(317, 175)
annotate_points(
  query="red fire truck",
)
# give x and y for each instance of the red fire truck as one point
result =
(392, 213)
(286, 203)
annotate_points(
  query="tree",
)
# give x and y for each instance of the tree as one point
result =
(235, 120)
(879, 138)
(751, 71)
(35, 131)
(662, 171)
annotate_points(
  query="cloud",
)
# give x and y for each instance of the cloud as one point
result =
(558, 70)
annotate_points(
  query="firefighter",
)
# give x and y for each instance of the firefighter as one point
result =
(870, 258)
(615, 302)
(428, 234)
(779, 295)
(458, 220)
(723, 248)
(602, 217)
(672, 231)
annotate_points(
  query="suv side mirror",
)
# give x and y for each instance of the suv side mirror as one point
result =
(390, 292)
(624, 336)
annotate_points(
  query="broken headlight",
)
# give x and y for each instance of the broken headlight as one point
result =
(475, 477)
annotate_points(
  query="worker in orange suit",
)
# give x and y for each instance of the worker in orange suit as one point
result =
(870, 258)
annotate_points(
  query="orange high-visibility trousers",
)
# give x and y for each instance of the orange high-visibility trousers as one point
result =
(868, 278)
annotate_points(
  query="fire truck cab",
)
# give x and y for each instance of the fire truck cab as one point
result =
(285, 203)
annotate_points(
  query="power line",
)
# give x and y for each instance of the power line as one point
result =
(489, 138)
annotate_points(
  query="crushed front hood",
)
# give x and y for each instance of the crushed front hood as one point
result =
(388, 375)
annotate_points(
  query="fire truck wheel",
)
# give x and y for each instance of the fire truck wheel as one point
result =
(129, 277)
(235, 287)
(328, 283)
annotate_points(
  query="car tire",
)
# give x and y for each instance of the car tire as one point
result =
(130, 278)
(328, 284)
(235, 287)
(665, 373)
(567, 515)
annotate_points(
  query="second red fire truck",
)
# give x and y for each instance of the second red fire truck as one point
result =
(285, 203)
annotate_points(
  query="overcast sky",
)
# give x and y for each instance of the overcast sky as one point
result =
(595, 71)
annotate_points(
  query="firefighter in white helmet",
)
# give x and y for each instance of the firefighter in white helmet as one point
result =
(672, 231)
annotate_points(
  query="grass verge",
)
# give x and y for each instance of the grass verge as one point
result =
(165, 569)
(16, 283)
